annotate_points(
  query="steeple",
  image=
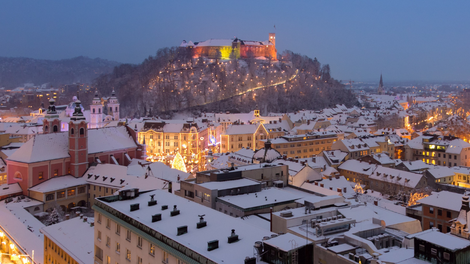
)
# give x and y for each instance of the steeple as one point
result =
(51, 122)
(113, 106)
(78, 142)
(381, 86)
(96, 112)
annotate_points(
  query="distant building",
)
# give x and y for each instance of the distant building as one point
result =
(233, 48)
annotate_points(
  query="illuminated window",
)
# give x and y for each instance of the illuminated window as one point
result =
(41, 175)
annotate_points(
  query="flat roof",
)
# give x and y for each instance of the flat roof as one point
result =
(218, 227)
(257, 199)
(223, 185)
(75, 237)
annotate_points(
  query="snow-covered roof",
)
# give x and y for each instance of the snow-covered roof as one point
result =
(218, 227)
(440, 171)
(448, 241)
(241, 129)
(262, 198)
(224, 185)
(75, 237)
(444, 199)
(8, 189)
(416, 165)
(58, 183)
(55, 145)
(395, 176)
(23, 226)
(358, 166)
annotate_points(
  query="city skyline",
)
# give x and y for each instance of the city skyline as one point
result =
(421, 40)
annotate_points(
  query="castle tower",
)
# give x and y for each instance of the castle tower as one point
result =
(381, 86)
(96, 112)
(113, 106)
(51, 122)
(78, 142)
(272, 39)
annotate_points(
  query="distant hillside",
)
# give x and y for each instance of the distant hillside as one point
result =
(15, 72)
(173, 81)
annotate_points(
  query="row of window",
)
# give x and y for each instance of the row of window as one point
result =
(61, 194)
(433, 154)
(63, 255)
(117, 248)
(41, 174)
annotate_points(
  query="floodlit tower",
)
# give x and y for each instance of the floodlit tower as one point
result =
(96, 112)
(113, 106)
(51, 122)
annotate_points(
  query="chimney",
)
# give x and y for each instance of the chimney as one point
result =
(85, 219)
(67, 217)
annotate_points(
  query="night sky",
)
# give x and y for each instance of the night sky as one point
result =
(404, 40)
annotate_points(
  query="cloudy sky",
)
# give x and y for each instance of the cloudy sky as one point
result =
(404, 40)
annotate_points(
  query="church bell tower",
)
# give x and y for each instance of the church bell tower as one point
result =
(78, 142)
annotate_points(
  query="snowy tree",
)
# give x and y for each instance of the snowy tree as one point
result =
(54, 218)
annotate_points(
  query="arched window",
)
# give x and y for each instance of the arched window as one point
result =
(116, 109)
(54, 128)
(72, 131)
(110, 109)
(46, 128)
(18, 176)
(93, 110)
(99, 110)
(82, 131)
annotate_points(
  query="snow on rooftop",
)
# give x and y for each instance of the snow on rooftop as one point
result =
(57, 183)
(23, 226)
(444, 199)
(224, 185)
(75, 237)
(241, 129)
(7, 189)
(263, 198)
(449, 241)
(55, 145)
(218, 227)
(286, 242)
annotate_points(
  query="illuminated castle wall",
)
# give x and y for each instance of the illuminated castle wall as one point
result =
(224, 48)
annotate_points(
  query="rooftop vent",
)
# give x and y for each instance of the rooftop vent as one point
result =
(182, 230)
(156, 217)
(233, 237)
(97, 176)
(175, 211)
(152, 201)
(201, 223)
(89, 175)
(211, 245)
(164, 207)
(104, 178)
(122, 181)
(112, 179)
(135, 207)
(287, 214)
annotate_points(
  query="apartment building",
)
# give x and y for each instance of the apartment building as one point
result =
(305, 145)
(150, 227)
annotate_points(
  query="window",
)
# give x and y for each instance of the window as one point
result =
(433, 251)
(99, 236)
(165, 257)
(70, 192)
(72, 131)
(98, 253)
(108, 258)
(152, 250)
(108, 241)
(167, 144)
(175, 144)
(139, 260)
(128, 255)
(175, 137)
(50, 197)
(61, 194)
(81, 189)
(128, 237)
(41, 175)
(167, 136)
(431, 210)
(422, 248)
(448, 214)
(99, 218)
(118, 247)
(139, 242)
(446, 255)
(56, 172)
(431, 225)
(439, 226)
(108, 223)
(439, 212)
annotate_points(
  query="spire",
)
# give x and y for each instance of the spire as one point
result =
(381, 86)
(51, 110)
(78, 114)
(113, 93)
(381, 83)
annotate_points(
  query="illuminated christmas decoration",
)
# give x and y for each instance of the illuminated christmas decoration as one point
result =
(358, 188)
(178, 163)
(414, 197)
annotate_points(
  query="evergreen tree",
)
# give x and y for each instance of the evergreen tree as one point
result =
(178, 163)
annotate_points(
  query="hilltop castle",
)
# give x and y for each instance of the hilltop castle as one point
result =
(233, 48)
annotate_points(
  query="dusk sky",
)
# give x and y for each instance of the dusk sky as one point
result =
(404, 40)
